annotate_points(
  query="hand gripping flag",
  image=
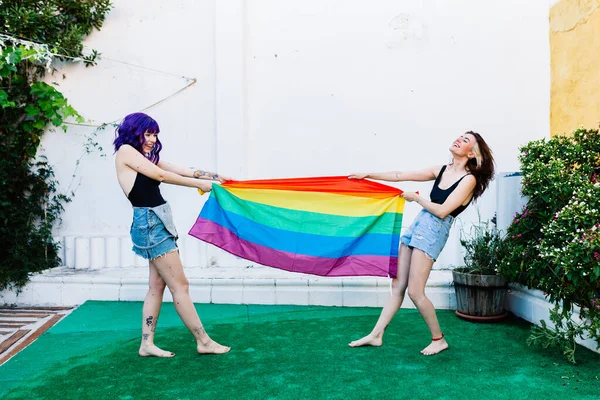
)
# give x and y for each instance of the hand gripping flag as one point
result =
(328, 226)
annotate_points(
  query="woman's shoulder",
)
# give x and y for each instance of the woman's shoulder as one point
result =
(437, 169)
(126, 150)
(468, 179)
(126, 154)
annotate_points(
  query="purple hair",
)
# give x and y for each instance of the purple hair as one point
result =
(131, 131)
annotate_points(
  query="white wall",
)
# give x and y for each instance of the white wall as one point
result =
(306, 87)
(178, 38)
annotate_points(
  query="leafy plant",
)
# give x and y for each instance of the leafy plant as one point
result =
(62, 24)
(562, 335)
(554, 242)
(29, 202)
(485, 249)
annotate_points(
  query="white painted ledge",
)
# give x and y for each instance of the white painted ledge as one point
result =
(256, 285)
(532, 306)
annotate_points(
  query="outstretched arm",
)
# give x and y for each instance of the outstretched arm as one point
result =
(427, 174)
(136, 161)
(192, 172)
(462, 192)
(201, 174)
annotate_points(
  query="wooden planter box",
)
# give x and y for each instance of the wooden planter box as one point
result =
(479, 297)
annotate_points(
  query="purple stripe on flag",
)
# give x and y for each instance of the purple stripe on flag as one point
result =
(223, 238)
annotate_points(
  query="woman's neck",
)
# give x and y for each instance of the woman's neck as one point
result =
(458, 164)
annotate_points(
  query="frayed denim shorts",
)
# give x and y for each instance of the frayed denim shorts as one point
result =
(153, 232)
(428, 233)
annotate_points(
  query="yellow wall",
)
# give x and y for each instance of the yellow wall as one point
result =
(575, 58)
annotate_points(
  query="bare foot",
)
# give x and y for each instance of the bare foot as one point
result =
(212, 347)
(369, 340)
(151, 350)
(435, 347)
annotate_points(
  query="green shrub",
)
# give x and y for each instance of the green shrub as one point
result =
(484, 249)
(554, 243)
(29, 201)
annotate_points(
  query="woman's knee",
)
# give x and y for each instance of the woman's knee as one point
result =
(416, 294)
(157, 285)
(398, 287)
(180, 286)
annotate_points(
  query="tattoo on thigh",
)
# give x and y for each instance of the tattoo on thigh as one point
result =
(149, 320)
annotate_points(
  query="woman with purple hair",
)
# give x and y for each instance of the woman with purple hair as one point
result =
(139, 172)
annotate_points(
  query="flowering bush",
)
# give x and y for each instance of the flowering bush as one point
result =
(554, 242)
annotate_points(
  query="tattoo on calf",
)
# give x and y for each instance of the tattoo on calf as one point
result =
(145, 336)
(149, 320)
(199, 331)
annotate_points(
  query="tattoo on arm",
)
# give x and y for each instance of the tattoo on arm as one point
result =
(149, 320)
(198, 174)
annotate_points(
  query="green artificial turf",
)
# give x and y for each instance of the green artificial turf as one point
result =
(290, 352)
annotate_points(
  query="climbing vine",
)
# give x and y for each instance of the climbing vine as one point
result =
(33, 34)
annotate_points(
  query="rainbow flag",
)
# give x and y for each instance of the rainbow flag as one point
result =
(329, 226)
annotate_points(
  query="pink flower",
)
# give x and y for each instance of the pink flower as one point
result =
(527, 183)
(512, 237)
(519, 235)
(516, 221)
(597, 255)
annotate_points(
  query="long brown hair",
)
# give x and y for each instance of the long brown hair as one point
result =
(482, 166)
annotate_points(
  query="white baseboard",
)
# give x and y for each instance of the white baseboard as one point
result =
(532, 306)
(257, 285)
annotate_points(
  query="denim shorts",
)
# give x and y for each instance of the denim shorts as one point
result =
(153, 232)
(428, 233)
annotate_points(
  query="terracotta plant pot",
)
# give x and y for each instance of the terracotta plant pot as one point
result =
(479, 297)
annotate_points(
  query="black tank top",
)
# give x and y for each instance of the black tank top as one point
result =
(439, 196)
(145, 192)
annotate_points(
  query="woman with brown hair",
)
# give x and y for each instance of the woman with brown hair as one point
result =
(458, 183)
